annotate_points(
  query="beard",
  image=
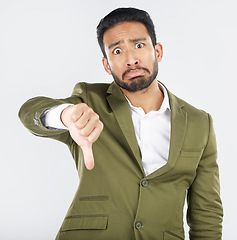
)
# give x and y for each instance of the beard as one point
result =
(137, 83)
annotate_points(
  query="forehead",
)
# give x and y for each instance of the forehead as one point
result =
(125, 31)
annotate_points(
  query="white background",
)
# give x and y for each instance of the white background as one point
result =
(47, 46)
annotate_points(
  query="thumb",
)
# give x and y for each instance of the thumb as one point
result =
(88, 155)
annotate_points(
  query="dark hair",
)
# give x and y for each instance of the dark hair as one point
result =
(120, 15)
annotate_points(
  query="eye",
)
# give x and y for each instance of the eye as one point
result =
(139, 45)
(117, 51)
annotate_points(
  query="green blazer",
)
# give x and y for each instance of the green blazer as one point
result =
(116, 200)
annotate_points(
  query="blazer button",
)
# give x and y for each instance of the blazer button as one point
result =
(138, 225)
(144, 182)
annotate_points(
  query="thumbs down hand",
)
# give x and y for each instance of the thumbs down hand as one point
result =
(85, 127)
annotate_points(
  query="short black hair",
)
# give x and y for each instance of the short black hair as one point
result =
(121, 15)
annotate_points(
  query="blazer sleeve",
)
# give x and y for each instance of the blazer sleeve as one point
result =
(205, 213)
(32, 111)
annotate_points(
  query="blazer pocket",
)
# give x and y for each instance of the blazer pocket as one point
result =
(191, 153)
(171, 236)
(90, 222)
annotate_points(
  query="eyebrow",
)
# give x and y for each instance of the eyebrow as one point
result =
(138, 40)
(115, 44)
(130, 40)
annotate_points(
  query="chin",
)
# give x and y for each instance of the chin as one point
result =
(136, 86)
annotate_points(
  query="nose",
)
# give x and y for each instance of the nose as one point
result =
(132, 60)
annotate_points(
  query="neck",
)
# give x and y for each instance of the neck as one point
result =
(149, 99)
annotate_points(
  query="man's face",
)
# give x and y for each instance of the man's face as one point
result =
(131, 57)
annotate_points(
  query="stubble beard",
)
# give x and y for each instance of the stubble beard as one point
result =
(137, 83)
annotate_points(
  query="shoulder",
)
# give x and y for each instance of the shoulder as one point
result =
(93, 94)
(177, 103)
(90, 88)
(198, 122)
(194, 114)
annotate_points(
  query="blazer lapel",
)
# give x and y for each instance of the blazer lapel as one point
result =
(178, 129)
(121, 110)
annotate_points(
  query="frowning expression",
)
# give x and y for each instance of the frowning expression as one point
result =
(131, 57)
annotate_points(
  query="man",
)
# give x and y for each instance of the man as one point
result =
(149, 150)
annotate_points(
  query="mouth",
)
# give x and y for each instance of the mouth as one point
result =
(134, 73)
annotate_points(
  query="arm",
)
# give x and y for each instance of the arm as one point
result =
(52, 117)
(82, 122)
(32, 111)
(205, 211)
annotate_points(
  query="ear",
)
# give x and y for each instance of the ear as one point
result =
(159, 52)
(106, 65)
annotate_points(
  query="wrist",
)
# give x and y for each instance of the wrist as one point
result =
(63, 116)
